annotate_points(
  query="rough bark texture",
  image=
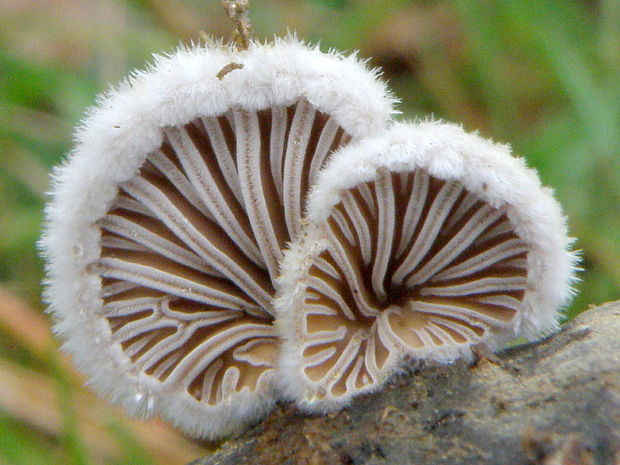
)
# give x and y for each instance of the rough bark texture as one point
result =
(553, 402)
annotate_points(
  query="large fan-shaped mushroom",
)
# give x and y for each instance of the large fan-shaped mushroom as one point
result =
(435, 240)
(168, 222)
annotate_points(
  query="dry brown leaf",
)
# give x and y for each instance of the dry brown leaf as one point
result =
(31, 397)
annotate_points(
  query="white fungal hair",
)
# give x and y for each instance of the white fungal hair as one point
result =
(234, 227)
(422, 242)
(124, 200)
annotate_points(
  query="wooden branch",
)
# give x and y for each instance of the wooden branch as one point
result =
(553, 402)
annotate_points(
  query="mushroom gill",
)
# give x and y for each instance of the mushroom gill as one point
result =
(420, 252)
(414, 263)
(191, 245)
(167, 224)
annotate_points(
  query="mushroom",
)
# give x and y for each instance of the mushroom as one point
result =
(435, 240)
(167, 223)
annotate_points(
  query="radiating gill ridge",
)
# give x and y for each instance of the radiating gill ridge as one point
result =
(191, 246)
(414, 265)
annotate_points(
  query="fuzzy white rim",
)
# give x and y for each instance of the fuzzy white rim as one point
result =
(111, 145)
(448, 153)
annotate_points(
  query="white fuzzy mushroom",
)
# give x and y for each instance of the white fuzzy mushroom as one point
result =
(421, 243)
(168, 220)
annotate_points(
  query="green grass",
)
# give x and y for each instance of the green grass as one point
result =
(539, 74)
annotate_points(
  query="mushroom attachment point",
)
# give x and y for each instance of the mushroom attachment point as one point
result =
(436, 240)
(168, 222)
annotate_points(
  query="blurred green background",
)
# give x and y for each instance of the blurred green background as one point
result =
(543, 75)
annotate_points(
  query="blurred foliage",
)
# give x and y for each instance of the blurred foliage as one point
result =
(540, 74)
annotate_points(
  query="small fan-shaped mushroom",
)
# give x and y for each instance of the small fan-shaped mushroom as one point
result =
(167, 225)
(435, 240)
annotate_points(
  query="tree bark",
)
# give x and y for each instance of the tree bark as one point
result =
(556, 401)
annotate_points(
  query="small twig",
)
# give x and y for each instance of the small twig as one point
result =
(237, 11)
(227, 69)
